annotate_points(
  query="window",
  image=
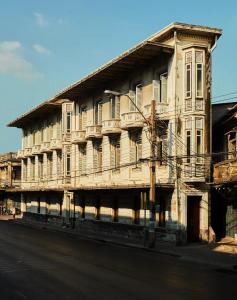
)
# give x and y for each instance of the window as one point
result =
(199, 138)
(114, 107)
(115, 153)
(136, 98)
(50, 165)
(24, 169)
(82, 118)
(188, 145)
(198, 144)
(68, 122)
(97, 145)
(163, 88)
(188, 74)
(98, 113)
(162, 144)
(59, 164)
(40, 166)
(68, 164)
(160, 88)
(135, 147)
(199, 73)
(188, 80)
(82, 159)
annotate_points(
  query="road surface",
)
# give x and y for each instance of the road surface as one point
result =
(41, 264)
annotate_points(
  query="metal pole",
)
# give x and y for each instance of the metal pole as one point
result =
(152, 236)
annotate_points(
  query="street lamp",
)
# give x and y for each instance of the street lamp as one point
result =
(152, 128)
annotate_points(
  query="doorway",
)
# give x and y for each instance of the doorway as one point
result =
(193, 218)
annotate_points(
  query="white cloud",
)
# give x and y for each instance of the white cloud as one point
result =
(9, 45)
(41, 49)
(40, 20)
(13, 63)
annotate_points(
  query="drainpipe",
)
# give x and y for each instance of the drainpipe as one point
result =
(176, 151)
(210, 50)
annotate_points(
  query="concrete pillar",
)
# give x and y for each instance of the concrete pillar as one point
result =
(23, 204)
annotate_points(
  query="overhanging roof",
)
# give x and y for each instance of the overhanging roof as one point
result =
(35, 114)
(139, 55)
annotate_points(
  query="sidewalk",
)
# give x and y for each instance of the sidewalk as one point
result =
(221, 255)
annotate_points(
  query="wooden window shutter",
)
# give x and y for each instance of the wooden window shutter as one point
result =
(139, 151)
(117, 160)
(156, 90)
(139, 96)
(112, 155)
(80, 161)
(131, 105)
(80, 118)
(163, 81)
(164, 150)
(83, 117)
(159, 150)
(95, 158)
(99, 113)
(117, 108)
(132, 149)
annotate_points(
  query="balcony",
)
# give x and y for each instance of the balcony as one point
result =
(20, 154)
(93, 131)
(79, 136)
(55, 144)
(160, 109)
(45, 147)
(225, 171)
(194, 172)
(131, 120)
(111, 127)
(36, 149)
(28, 151)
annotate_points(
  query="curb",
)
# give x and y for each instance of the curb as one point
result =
(225, 268)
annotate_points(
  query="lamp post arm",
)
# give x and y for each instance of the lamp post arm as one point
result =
(138, 109)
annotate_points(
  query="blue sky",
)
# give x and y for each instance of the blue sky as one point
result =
(46, 45)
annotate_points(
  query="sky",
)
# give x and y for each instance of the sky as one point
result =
(47, 45)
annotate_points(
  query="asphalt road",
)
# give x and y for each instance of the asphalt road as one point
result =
(40, 264)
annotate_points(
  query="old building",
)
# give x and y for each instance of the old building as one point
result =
(224, 192)
(10, 180)
(86, 152)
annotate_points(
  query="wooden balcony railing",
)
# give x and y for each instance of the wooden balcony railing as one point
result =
(225, 171)
(131, 120)
(111, 126)
(93, 131)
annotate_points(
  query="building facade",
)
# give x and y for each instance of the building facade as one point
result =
(224, 195)
(86, 152)
(10, 181)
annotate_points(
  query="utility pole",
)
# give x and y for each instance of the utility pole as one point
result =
(152, 235)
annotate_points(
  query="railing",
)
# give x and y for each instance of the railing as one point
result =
(160, 108)
(45, 147)
(55, 144)
(28, 151)
(93, 131)
(20, 154)
(111, 126)
(194, 171)
(79, 136)
(225, 171)
(8, 156)
(131, 120)
(36, 149)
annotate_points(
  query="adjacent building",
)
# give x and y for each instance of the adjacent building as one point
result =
(10, 181)
(224, 192)
(85, 152)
